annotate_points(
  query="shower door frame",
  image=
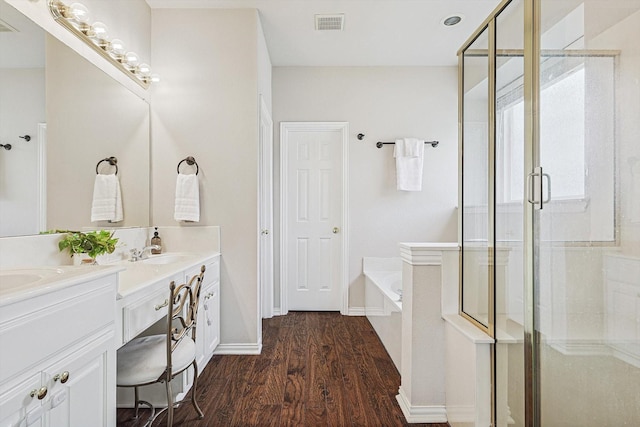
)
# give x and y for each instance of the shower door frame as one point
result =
(532, 53)
(531, 157)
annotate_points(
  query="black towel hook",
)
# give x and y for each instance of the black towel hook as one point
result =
(190, 161)
(111, 160)
(26, 138)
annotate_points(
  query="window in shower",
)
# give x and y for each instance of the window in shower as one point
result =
(564, 130)
(577, 143)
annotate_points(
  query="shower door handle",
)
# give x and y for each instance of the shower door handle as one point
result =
(548, 199)
(534, 188)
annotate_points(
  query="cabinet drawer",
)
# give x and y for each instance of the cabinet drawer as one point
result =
(140, 314)
(213, 271)
(211, 274)
(46, 330)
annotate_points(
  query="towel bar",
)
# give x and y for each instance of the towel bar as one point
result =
(434, 144)
(190, 161)
(111, 160)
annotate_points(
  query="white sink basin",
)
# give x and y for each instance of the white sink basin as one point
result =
(164, 258)
(20, 278)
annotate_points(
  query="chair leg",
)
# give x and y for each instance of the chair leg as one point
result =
(169, 404)
(137, 400)
(193, 390)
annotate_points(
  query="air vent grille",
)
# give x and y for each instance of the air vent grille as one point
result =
(330, 22)
(6, 28)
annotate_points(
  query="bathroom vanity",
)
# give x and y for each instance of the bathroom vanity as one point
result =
(57, 364)
(142, 302)
(61, 326)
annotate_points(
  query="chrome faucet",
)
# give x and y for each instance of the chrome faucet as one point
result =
(137, 255)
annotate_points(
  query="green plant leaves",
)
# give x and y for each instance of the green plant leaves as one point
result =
(94, 243)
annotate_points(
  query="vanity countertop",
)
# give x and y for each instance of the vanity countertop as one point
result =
(21, 283)
(139, 274)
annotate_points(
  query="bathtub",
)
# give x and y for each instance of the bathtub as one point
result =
(383, 302)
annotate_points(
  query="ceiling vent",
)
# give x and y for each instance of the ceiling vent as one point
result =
(330, 22)
(6, 28)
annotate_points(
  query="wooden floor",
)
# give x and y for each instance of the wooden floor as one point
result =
(316, 369)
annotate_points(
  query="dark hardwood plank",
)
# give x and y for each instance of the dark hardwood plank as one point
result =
(316, 369)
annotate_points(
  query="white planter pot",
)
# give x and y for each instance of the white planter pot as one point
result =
(83, 258)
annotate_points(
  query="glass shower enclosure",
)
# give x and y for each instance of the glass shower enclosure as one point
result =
(550, 218)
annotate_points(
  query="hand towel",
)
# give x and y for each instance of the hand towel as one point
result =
(107, 199)
(409, 153)
(187, 206)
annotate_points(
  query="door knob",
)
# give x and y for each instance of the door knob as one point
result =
(335, 230)
(265, 231)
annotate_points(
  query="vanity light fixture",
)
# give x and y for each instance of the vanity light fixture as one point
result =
(77, 19)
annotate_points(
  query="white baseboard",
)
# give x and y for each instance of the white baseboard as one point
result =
(421, 414)
(353, 311)
(254, 348)
(376, 312)
(356, 311)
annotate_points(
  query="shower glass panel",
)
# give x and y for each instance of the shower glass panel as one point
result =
(587, 234)
(476, 244)
(509, 213)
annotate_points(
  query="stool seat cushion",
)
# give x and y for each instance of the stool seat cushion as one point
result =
(142, 360)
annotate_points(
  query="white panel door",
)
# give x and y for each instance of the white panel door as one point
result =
(314, 212)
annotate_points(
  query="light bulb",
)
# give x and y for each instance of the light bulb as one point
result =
(117, 49)
(155, 78)
(100, 33)
(80, 13)
(143, 70)
(131, 59)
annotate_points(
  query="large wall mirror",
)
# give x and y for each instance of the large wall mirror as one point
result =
(75, 115)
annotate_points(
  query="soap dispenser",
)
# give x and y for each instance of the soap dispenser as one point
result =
(156, 240)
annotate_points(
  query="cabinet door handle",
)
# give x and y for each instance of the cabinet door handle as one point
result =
(164, 304)
(63, 377)
(39, 392)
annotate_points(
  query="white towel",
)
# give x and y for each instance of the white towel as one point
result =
(409, 153)
(107, 199)
(187, 198)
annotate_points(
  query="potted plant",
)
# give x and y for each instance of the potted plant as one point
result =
(85, 247)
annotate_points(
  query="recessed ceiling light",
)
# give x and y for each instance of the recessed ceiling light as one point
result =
(452, 20)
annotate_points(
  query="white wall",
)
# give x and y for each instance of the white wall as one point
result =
(207, 107)
(384, 103)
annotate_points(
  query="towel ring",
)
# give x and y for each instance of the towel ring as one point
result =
(111, 160)
(190, 161)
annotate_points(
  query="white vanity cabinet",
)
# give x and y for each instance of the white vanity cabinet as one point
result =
(208, 323)
(57, 364)
(143, 310)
